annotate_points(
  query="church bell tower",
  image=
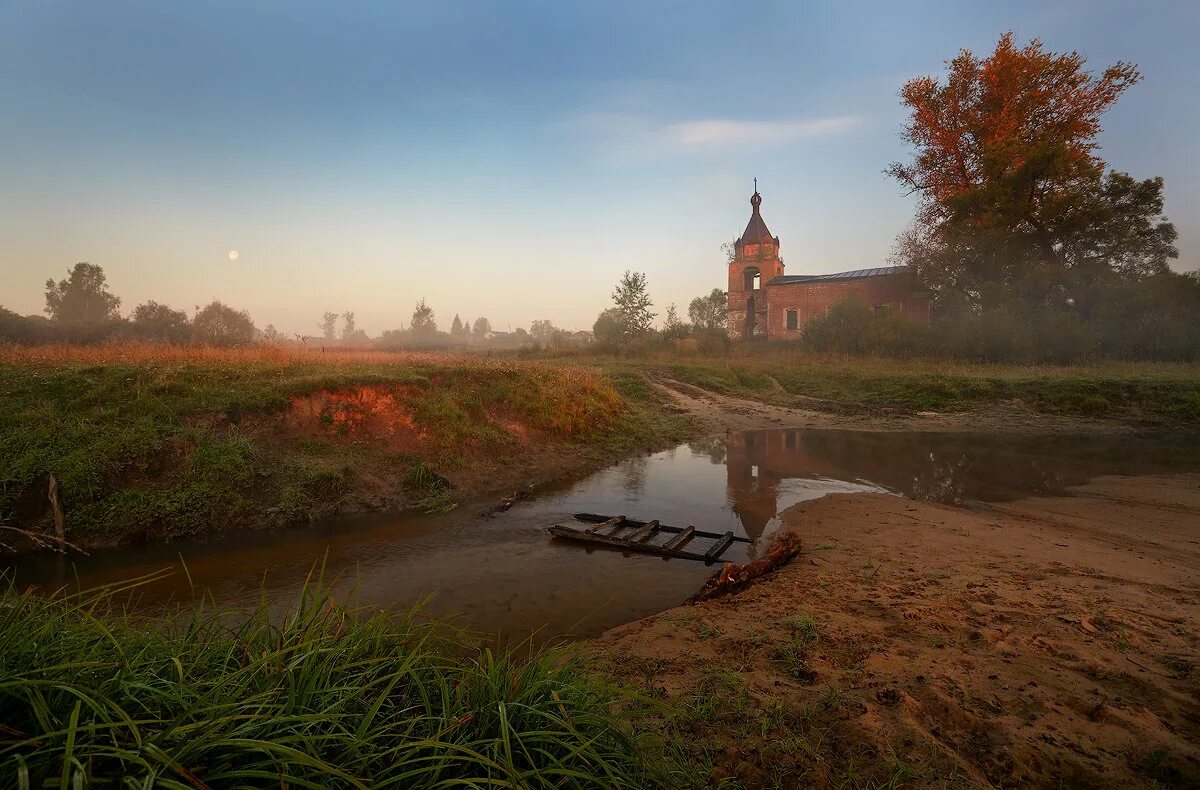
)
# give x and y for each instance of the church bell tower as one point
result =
(755, 263)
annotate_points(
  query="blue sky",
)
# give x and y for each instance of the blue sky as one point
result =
(501, 159)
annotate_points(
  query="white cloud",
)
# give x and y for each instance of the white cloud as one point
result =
(717, 132)
(625, 134)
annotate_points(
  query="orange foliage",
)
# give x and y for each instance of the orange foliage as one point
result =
(994, 115)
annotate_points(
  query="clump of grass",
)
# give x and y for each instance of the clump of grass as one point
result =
(793, 653)
(324, 695)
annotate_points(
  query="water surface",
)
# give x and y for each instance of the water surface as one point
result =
(502, 574)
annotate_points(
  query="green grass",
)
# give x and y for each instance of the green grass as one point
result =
(170, 443)
(163, 445)
(1153, 394)
(321, 696)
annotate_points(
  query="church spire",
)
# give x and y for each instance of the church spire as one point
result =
(756, 230)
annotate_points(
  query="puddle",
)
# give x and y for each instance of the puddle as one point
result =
(505, 576)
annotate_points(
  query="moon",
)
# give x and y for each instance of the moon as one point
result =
(234, 255)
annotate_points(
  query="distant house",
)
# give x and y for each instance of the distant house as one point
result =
(583, 336)
(493, 334)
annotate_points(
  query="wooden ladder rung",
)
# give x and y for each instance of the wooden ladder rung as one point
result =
(719, 547)
(680, 539)
(610, 523)
(645, 533)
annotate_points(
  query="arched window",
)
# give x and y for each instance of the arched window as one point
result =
(750, 278)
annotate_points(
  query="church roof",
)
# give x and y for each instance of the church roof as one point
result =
(857, 274)
(756, 230)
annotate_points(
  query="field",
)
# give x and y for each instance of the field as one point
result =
(155, 442)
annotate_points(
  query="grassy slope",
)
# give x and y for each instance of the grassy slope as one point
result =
(324, 696)
(1151, 394)
(161, 443)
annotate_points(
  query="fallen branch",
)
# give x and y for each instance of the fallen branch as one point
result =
(40, 540)
(734, 577)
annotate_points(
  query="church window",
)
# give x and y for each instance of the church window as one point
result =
(793, 319)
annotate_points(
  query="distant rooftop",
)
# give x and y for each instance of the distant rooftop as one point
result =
(857, 274)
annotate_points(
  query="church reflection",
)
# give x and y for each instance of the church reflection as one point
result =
(768, 470)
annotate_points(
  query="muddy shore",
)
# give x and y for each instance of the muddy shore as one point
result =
(1044, 642)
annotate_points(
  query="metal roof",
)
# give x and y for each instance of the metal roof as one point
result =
(857, 274)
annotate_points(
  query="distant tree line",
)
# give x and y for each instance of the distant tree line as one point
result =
(80, 309)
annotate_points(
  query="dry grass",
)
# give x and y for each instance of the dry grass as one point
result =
(144, 353)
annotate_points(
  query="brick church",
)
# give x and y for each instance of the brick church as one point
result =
(765, 302)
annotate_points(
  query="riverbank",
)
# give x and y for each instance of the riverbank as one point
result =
(157, 443)
(1048, 641)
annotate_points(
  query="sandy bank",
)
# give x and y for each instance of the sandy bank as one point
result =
(1048, 641)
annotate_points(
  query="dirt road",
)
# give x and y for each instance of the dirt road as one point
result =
(715, 412)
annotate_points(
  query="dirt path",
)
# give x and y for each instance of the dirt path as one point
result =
(716, 412)
(1044, 642)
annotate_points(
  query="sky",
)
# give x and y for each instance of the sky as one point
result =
(507, 160)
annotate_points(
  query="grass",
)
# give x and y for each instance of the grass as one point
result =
(161, 441)
(1156, 394)
(322, 696)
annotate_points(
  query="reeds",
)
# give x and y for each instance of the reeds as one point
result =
(323, 696)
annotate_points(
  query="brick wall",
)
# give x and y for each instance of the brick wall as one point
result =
(814, 299)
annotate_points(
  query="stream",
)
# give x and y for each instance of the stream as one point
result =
(504, 576)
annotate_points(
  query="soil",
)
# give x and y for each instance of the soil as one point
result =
(1043, 642)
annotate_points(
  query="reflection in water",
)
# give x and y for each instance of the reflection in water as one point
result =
(505, 575)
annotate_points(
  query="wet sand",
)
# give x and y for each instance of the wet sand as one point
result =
(1048, 641)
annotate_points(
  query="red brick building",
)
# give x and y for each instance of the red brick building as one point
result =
(765, 302)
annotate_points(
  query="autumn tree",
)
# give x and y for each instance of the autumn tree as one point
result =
(220, 325)
(632, 302)
(707, 313)
(82, 298)
(1014, 200)
(160, 322)
(482, 326)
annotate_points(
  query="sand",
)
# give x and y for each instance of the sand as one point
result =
(1041, 642)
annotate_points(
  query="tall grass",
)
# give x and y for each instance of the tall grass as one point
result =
(322, 696)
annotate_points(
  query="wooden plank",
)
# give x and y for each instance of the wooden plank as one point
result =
(718, 548)
(645, 533)
(631, 522)
(608, 523)
(680, 539)
(559, 531)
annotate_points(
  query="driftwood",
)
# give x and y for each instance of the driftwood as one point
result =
(516, 496)
(734, 577)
